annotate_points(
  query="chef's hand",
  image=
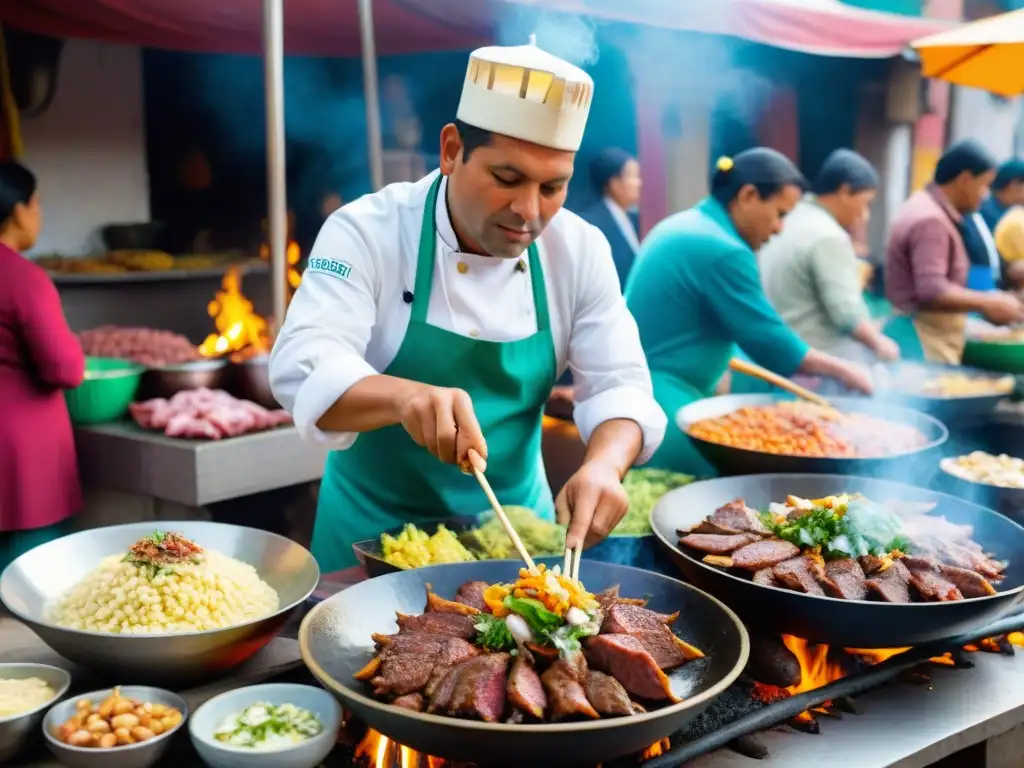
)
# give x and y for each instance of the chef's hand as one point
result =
(591, 503)
(856, 377)
(442, 420)
(886, 349)
(1003, 308)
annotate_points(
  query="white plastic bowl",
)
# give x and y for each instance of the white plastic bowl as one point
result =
(307, 754)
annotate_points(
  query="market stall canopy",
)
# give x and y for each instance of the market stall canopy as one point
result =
(987, 54)
(331, 27)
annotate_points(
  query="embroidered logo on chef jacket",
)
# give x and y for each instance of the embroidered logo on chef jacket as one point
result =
(335, 267)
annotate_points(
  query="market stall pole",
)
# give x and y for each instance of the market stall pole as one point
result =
(277, 207)
(375, 145)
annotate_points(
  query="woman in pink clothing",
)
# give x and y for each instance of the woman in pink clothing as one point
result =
(39, 357)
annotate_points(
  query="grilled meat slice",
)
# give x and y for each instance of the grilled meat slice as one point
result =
(797, 574)
(892, 584)
(611, 597)
(472, 594)
(708, 526)
(525, 690)
(844, 579)
(651, 629)
(715, 544)
(739, 517)
(624, 619)
(607, 695)
(624, 658)
(414, 702)
(452, 624)
(871, 564)
(766, 578)
(764, 554)
(970, 583)
(438, 604)
(930, 584)
(407, 661)
(474, 688)
(563, 681)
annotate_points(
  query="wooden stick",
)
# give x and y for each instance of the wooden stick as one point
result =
(567, 565)
(475, 460)
(577, 555)
(742, 366)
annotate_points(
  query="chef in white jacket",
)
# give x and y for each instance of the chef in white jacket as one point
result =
(434, 318)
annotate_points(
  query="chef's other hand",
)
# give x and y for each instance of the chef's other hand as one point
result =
(857, 377)
(591, 503)
(887, 350)
(442, 420)
(1003, 308)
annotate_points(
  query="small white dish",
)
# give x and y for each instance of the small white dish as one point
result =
(15, 729)
(208, 719)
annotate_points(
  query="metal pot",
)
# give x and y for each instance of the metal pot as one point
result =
(167, 381)
(250, 380)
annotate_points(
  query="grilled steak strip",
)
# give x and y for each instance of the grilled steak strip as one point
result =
(764, 554)
(892, 584)
(607, 695)
(715, 544)
(525, 690)
(563, 681)
(797, 574)
(624, 658)
(844, 579)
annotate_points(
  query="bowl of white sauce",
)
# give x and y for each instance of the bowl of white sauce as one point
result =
(26, 690)
(277, 725)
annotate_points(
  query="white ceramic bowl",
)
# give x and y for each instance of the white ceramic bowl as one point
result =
(307, 754)
(14, 729)
(140, 755)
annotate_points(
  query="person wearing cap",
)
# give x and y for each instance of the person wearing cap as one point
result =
(696, 294)
(435, 317)
(811, 272)
(1007, 191)
(927, 263)
(615, 175)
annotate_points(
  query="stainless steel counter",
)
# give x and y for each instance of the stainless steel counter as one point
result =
(904, 725)
(123, 457)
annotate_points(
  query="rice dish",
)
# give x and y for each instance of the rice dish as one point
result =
(165, 584)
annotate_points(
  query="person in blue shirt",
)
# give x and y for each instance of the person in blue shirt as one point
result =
(1007, 190)
(696, 295)
(615, 175)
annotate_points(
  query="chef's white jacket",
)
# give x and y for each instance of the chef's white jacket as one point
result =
(348, 317)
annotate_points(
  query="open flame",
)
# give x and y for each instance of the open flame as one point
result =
(238, 326)
(378, 751)
(293, 255)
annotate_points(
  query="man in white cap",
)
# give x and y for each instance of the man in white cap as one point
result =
(435, 317)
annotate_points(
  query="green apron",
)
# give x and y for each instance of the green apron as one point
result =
(385, 480)
(900, 328)
(677, 452)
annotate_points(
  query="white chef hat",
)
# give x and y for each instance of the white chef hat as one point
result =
(528, 94)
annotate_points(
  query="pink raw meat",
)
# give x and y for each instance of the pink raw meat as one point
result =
(207, 414)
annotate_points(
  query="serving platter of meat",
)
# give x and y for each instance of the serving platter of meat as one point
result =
(470, 663)
(845, 560)
(205, 414)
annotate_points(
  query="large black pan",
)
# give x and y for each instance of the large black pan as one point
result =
(899, 384)
(335, 643)
(850, 623)
(738, 461)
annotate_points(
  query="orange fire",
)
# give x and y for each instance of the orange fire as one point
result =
(238, 326)
(292, 256)
(378, 751)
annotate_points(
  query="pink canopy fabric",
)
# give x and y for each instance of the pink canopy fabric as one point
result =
(331, 27)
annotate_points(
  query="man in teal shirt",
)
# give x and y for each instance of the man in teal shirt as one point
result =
(696, 294)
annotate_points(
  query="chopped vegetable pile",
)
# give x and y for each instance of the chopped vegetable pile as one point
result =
(644, 488)
(838, 526)
(266, 726)
(544, 608)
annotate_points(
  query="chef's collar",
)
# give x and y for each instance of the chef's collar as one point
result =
(445, 230)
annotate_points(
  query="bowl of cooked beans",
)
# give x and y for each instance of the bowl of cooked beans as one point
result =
(757, 434)
(26, 690)
(126, 727)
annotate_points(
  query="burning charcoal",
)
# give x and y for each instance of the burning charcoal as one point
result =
(846, 704)
(804, 723)
(771, 662)
(749, 746)
(827, 711)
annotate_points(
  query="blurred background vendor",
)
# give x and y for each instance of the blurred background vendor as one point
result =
(1007, 191)
(39, 357)
(927, 261)
(696, 295)
(615, 175)
(811, 273)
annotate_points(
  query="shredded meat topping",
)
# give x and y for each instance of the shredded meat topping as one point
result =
(164, 549)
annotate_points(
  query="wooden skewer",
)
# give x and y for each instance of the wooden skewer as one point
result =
(742, 366)
(567, 565)
(475, 461)
(577, 555)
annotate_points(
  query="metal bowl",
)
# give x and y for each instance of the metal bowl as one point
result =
(141, 755)
(729, 460)
(250, 380)
(15, 729)
(31, 582)
(1007, 501)
(169, 380)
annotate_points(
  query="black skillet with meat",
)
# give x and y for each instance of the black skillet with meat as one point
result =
(425, 681)
(963, 566)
